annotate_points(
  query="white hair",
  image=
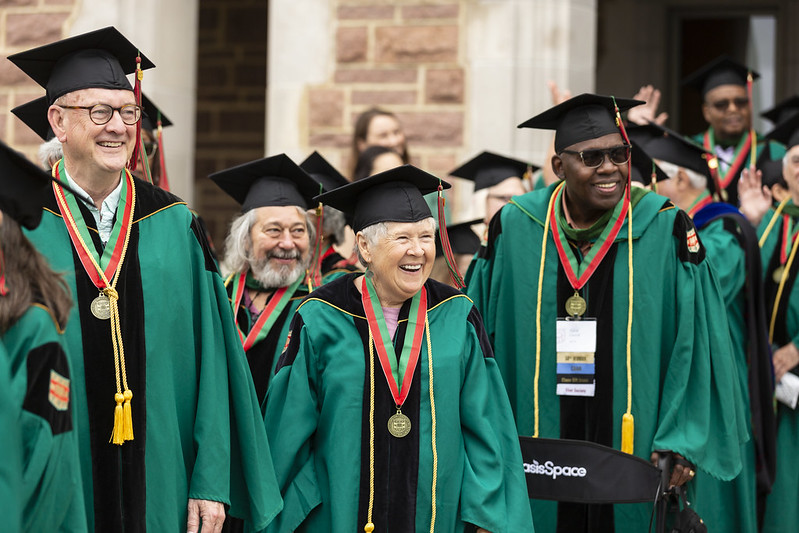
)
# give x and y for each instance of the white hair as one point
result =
(334, 225)
(698, 181)
(377, 231)
(238, 243)
(50, 153)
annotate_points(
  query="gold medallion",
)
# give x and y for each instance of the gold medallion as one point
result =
(575, 305)
(101, 307)
(399, 425)
(777, 274)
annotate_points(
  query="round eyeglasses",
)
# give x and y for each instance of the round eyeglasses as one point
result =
(618, 155)
(102, 113)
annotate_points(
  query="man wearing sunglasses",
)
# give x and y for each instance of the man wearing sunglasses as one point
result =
(728, 112)
(605, 318)
(163, 400)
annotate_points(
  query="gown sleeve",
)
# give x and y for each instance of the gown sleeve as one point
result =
(291, 417)
(701, 414)
(727, 260)
(494, 490)
(11, 458)
(233, 462)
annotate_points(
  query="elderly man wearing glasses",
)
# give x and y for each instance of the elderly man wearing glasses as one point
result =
(163, 402)
(606, 321)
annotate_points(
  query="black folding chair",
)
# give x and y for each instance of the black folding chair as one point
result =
(585, 472)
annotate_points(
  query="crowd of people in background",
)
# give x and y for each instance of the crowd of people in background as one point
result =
(353, 361)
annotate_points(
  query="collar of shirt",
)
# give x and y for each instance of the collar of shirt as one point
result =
(725, 153)
(103, 217)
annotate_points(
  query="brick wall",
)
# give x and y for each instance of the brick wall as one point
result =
(25, 24)
(231, 100)
(405, 57)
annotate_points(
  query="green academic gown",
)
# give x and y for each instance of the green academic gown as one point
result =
(729, 505)
(782, 506)
(11, 444)
(741, 159)
(682, 376)
(196, 421)
(317, 419)
(52, 492)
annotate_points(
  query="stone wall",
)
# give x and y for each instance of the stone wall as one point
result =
(25, 24)
(406, 57)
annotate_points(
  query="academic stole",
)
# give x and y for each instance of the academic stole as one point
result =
(700, 203)
(578, 274)
(398, 374)
(268, 316)
(723, 180)
(100, 269)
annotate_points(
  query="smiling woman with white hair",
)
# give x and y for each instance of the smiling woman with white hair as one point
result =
(387, 407)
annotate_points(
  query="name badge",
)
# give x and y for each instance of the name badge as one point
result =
(576, 348)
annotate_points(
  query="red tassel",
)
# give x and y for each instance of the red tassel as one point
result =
(163, 181)
(452, 265)
(315, 273)
(623, 130)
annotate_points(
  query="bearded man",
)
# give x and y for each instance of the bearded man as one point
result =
(267, 254)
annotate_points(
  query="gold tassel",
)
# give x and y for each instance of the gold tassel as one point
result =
(627, 433)
(127, 426)
(116, 434)
(369, 527)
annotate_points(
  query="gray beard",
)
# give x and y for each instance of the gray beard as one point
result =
(282, 276)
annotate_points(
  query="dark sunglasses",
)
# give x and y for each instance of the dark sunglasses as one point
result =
(723, 105)
(618, 155)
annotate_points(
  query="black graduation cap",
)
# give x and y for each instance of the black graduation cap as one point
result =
(782, 111)
(641, 165)
(660, 142)
(721, 71)
(97, 59)
(786, 132)
(323, 172)
(584, 117)
(149, 118)
(461, 237)
(271, 181)
(772, 172)
(395, 195)
(34, 115)
(488, 169)
(23, 187)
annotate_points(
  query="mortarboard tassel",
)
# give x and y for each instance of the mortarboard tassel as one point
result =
(452, 265)
(137, 93)
(627, 432)
(627, 421)
(163, 181)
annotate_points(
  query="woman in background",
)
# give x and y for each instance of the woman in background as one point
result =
(378, 127)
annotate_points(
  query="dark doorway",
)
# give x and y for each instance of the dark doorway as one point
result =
(749, 39)
(231, 100)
